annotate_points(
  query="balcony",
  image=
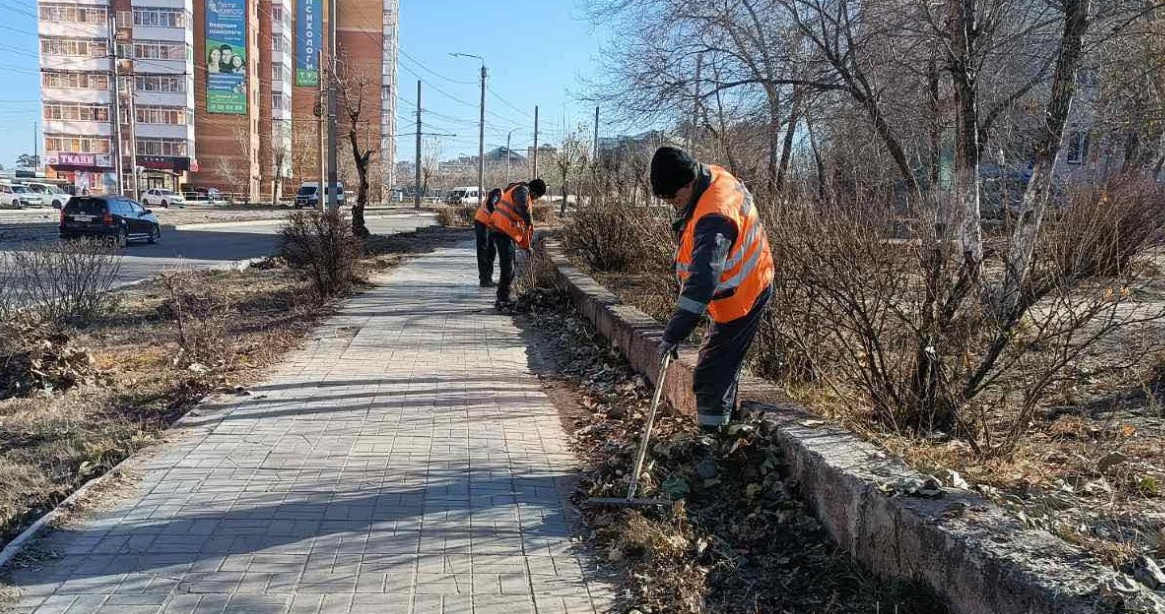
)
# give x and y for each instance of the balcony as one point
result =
(73, 30)
(52, 94)
(72, 127)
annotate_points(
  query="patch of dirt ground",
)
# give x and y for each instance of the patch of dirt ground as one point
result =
(736, 540)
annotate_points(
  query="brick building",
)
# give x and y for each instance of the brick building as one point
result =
(206, 94)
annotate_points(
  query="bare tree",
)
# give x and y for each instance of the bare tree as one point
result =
(571, 159)
(430, 162)
(353, 84)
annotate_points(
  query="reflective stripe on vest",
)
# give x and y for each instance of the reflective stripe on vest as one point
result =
(747, 268)
(506, 220)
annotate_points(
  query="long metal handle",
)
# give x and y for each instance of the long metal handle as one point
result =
(647, 428)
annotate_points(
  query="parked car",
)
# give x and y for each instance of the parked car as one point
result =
(51, 194)
(308, 194)
(116, 217)
(8, 198)
(159, 197)
(27, 197)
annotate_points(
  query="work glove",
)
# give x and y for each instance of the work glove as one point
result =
(670, 348)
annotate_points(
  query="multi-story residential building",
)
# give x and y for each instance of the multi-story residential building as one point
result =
(221, 93)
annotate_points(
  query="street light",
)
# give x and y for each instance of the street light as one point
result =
(481, 129)
(509, 153)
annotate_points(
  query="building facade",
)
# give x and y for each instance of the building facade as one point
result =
(222, 94)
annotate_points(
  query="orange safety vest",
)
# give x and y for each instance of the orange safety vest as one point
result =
(749, 269)
(483, 214)
(507, 221)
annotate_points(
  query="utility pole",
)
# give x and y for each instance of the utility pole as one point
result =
(481, 142)
(323, 145)
(333, 185)
(535, 176)
(118, 165)
(35, 146)
(509, 153)
(133, 135)
(417, 190)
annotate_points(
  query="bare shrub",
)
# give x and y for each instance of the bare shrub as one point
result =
(906, 325)
(1103, 228)
(324, 247)
(543, 213)
(200, 313)
(455, 216)
(612, 237)
(66, 282)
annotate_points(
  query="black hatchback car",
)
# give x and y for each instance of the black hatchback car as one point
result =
(115, 217)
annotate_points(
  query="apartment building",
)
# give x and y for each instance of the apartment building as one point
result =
(187, 94)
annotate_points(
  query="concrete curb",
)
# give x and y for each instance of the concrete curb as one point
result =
(974, 555)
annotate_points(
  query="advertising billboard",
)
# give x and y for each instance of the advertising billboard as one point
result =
(226, 57)
(309, 34)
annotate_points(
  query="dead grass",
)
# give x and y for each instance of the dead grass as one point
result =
(51, 443)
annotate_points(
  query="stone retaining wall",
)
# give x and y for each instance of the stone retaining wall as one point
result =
(977, 557)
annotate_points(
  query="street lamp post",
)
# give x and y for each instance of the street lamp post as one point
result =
(481, 129)
(509, 153)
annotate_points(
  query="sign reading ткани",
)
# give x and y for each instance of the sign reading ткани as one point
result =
(226, 57)
(309, 33)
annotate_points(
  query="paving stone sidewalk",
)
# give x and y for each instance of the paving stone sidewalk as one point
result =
(405, 461)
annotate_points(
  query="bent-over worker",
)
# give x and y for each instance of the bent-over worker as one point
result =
(725, 269)
(513, 225)
(486, 251)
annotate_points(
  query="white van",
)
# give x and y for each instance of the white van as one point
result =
(308, 194)
(463, 196)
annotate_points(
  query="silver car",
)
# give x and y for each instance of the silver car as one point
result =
(28, 198)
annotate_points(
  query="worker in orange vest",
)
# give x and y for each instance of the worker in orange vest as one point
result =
(725, 269)
(512, 225)
(486, 251)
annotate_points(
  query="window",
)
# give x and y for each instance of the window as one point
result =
(277, 13)
(277, 44)
(161, 147)
(160, 83)
(170, 116)
(74, 47)
(160, 17)
(1077, 147)
(124, 19)
(77, 112)
(71, 13)
(159, 50)
(75, 80)
(77, 144)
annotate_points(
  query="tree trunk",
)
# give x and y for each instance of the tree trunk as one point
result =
(964, 215)
(359, 226)
(1035, 198)
(787, 144)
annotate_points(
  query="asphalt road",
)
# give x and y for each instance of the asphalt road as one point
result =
(204, 246)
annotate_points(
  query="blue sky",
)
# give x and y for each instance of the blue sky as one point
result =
(19, 80)
(535, 50)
